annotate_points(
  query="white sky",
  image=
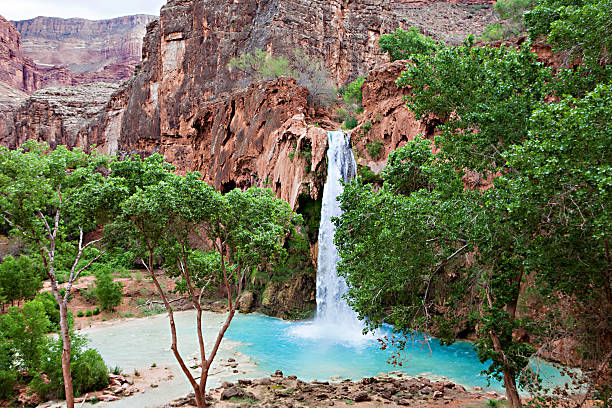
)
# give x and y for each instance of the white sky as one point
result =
(91, 9)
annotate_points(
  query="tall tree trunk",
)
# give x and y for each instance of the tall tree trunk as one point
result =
(66, 356)
(514, 400)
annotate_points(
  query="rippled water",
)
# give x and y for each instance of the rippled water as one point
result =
(263, 344)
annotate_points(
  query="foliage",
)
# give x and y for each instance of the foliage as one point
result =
(375, 149)
(89, 373)
(309, 72)
(261, 65)
(580, 28)
(165, 223)
(402, 44)
(352, 93)
(424, 247)
(350, 123)
(404, 167)
(26, 331)
(510, 12)
(108, 292)
(20, 278)
(341, 114)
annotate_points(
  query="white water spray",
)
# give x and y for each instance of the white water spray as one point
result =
(335, 320)
(331, 307)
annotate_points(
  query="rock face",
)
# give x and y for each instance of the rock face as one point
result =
(56, 115)
(107, 47)
(50, 51)
(294, 299)
(386, 118)
(16, 70)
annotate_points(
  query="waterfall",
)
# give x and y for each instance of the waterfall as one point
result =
(331, 307)
(335, 321)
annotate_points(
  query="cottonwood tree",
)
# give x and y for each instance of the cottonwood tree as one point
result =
(543, 225)
(50, 199)
(243, 231)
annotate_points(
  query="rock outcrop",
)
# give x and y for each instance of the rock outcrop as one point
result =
(108, 50)
(56, 115)
(55, 52)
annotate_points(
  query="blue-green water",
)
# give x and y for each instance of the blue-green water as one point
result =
(279, 345)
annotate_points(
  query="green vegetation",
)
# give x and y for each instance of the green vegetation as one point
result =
(50, 199)
(352, 93)
(424, 253)
(350, 123)
(309, 71)
(402, 44)
(163, 222)
(108, 292)
(20, 279)
(510, 13)
(375, 149)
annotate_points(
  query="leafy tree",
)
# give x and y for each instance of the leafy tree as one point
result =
(545, 221)
(50, 198)
(108, 292)
(27, 329)
(165, 221)
(8, 372)
(88, 369)
(20, 279)
(510, 12)
(402, 44)
(352, 94)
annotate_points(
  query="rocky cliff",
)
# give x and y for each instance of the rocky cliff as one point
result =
(85, 46)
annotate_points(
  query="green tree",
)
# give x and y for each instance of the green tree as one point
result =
(545, 220)
(20, 279)
(402, 44)
(353, 94)
(108, 292)
(50, 198)
(89, 370)
(27, 329)
(165, 221)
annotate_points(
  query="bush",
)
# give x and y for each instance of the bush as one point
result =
(341, 114)
(307, 70)
(375, 149)
(350, 123)
(20, 278)
(89, 313)
(89, 373)
(402, 44)
(352, 93)
(8, 372)
(366, 127)
(108, 292)
(80, 314)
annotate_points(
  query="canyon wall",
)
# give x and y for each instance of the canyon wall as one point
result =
(84, 46)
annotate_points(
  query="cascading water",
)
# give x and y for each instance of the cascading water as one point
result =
(335, 321)
(331, 307)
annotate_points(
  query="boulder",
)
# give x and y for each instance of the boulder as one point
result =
(361, 396)
(247, 302)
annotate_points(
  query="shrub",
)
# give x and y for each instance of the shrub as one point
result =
(8, 372)
(108, 292)
(89, 373)
(308, 71)
(80, 314)
(89, 313)
(350, 123)
(20, 278)
(401, 44)
(375, 149)
(341, 114)
(96, 311)
(366, 127)
(352, 93)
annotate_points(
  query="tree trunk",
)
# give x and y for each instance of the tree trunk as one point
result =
(66, 356)
(514, 400)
